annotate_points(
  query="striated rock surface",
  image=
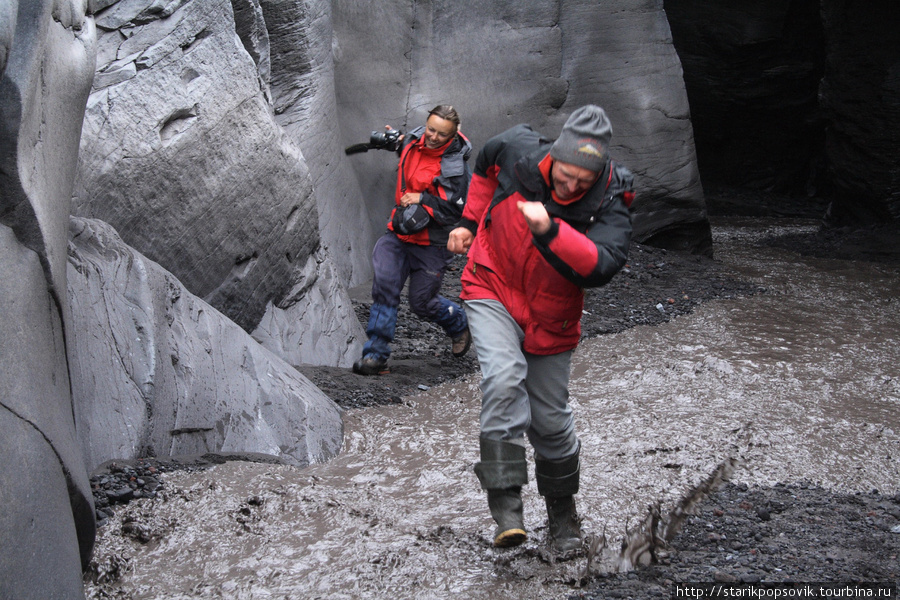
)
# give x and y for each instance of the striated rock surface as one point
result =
(158, 372)
(310, 326)
(301, 45)
(181, 155)
(47, 522)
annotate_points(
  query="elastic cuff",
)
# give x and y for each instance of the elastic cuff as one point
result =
(468, 224)
(545, 238)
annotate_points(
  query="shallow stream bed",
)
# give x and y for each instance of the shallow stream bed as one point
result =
(800, 383)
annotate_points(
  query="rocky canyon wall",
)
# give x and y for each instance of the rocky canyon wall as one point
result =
(182, 153)
(47, 521)
(174, 376)
(103, 354)
(218, 223)
(796, 97)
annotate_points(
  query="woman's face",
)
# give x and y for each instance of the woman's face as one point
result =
(438, 131)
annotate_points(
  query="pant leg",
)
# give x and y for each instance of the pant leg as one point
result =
(427, 265)
(505, 409)
(391, 268)
(552, 431)
(380, 329)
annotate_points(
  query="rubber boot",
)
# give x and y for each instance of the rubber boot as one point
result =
(557, 482)
(502, 473)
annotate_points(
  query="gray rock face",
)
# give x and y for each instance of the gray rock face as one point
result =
(41, 556)
(181, 154)
(46, 66)
(620, 55)
(333, 336)
(44, 488)
(158, 372)
(301, 45)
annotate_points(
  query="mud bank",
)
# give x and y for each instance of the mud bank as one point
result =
(797, 385)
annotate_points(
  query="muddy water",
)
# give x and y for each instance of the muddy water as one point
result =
(799, 384)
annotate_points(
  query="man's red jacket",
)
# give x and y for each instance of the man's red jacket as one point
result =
(540, 279)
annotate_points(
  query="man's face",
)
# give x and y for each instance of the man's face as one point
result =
(438, 131)
(571, 181)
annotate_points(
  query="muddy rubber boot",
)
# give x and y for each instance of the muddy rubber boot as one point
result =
(507, 508)
(557, 482)
(564, 524)
(502, 473)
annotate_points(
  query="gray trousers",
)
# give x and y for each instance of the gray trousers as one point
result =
(522, 394)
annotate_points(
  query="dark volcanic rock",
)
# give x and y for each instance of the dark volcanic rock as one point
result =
(797, 97)
(860, 95)
(752, 73)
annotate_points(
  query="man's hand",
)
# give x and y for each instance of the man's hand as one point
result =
(459, 241)
(410, 198)
(536, 216)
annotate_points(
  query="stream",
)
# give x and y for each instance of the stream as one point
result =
(798, 384)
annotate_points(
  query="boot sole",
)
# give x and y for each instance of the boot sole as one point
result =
(510, 537)
(369, 372)
(461, 353)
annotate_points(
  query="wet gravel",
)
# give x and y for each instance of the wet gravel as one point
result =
(782, 534)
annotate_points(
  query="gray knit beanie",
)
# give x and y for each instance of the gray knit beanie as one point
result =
(584, 140)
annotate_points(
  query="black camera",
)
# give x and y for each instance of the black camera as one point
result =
(388, 139)
(385, 140)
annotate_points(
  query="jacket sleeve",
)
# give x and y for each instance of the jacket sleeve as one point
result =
(592, 258)
(484, 183)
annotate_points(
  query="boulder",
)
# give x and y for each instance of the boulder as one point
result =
(157, 371)
(195, 174)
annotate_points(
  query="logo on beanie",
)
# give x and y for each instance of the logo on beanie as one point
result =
(587, 146)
